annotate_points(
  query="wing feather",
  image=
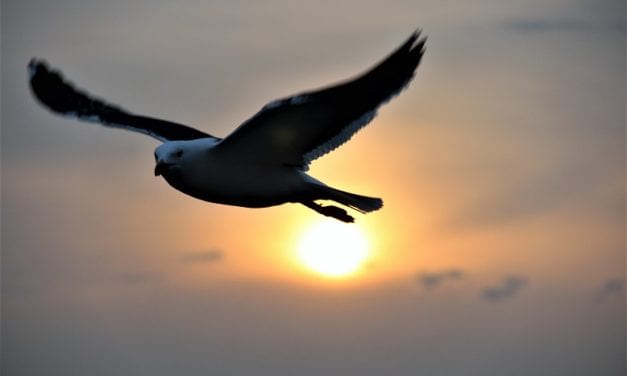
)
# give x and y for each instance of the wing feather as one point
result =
(61, 97)
(298, 129)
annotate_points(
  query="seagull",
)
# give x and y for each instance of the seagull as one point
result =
(264, 161)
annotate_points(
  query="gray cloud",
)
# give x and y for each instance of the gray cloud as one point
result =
(552, 25)
(528, 195)
(508, 288)
(546, 25)
(430, 280)
(141, 278)
(614, 287)
(210, 256)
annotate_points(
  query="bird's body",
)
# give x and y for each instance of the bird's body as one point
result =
(264, 161)
(202, 172)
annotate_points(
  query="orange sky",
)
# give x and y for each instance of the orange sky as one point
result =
(503, 162)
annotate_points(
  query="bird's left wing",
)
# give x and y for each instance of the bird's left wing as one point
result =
(296, 130)
(60, 96)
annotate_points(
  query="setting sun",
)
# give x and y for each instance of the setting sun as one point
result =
(333, 249)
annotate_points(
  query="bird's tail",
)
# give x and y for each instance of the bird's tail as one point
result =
(362, 204)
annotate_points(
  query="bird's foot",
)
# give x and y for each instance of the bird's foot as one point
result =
(337, 213)
(330, 211)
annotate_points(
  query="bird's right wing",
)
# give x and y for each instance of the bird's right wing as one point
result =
(296, 130)
(61, 97)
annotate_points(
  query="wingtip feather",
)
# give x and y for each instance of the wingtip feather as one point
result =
(36, 65)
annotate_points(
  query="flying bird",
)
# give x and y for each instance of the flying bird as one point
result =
(264, 161)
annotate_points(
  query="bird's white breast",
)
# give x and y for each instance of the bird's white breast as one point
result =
(211, 176)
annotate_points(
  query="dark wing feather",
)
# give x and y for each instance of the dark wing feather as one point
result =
(61, 97)
(296, 130)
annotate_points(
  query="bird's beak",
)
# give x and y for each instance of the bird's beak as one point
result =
(161, 168)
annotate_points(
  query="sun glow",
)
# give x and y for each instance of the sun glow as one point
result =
(333, 249)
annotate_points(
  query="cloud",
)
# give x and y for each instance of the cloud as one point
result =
(430, 280)
(210, 256)
(546, 25)
(141, 278)
(614, 287)
(508, 288)
(607, 22)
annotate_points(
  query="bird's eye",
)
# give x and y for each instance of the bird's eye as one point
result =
(179, 154)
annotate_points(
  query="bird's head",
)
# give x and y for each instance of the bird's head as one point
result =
(180, 156)
(169, 157)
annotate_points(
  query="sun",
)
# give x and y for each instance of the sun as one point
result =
(333, 249)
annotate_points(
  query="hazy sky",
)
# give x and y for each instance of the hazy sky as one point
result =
(500, 249)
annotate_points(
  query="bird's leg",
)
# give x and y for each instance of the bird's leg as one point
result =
(330, 211)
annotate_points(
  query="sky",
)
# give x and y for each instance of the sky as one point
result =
(500, 249)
